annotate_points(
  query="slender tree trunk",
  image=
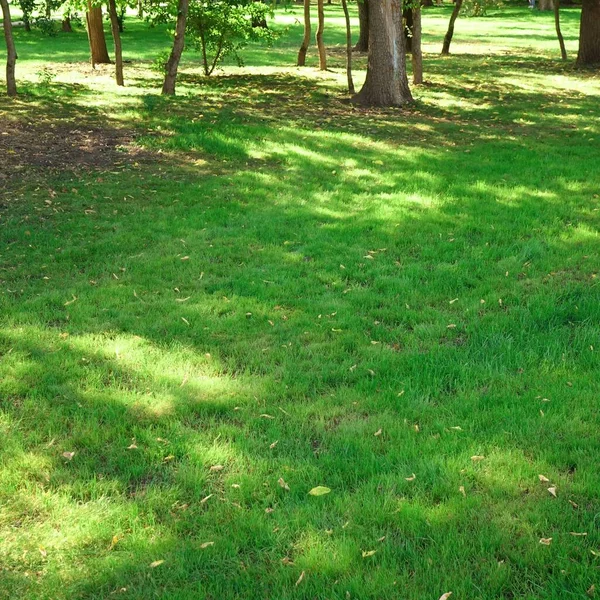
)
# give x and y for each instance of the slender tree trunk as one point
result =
(319, 36)
(363, 22)
(140, 9)
(348, 48)
(66, 26)
(450, 32)
(559, 35)
(416, 50)
(589, 34)
(306, 39)
(386, 83)
(116, 34)
(178, 43)
(97, 40)
(11, 53)
(26, 22)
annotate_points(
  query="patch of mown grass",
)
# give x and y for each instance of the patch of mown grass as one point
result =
(286, 286)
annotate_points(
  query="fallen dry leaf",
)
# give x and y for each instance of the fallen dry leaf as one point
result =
(543, 479)
(378, 432)
(367, 553)
(156, 563)
(68, 455)
(583, 533)
(132, 447)
(477, 458)
(235, 485)
(546, 541)
(206, 499)
(266, 416)
(552, 491)
(461, 489)
(216, 468)
(456, 428)
(382, 538)
(206, 545)
(269, 510)
(274, 444)
(576, 506)
(287, 561)
(445, 596)
(283, 484)
(320, 490)
(43, 551)
(300, 578)
(591, 590)
(411, 478)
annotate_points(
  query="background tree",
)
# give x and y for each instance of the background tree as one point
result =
(116, 34)
(348, 47)
(319, 36)
(589, 34)
(95, 29)
(178, 44)
(11, 53)
(386, 83)
(416, 51)
(559, 35)
(27, 8)
(306, 39)
(450, 32)
(362, 45)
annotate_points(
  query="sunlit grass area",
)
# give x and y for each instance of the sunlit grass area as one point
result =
(214, 303)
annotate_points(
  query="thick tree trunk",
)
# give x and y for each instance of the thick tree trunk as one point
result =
(427, 3)
(559, 35)
(26, 22)
(348, 47)
(363, 22)
(450, 32)
(178, 43)
(116, 34)
(11, 53)
(319, 36)
(306, 39)
(545, 5)
(386, 83)
(66, 26)
(589, 34)
(416, 50)
(140, 9)
(95, 29)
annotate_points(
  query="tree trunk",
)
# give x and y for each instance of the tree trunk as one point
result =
(348, 47)
(140, 9)
(589, 34)
(66, 26)
(95, 29)
(116, 34)
(386, 83)
(178, 43)
(363, 21)
(559, 35)
(545, 5)
(306, 39)
(319, 36)
(416, 50)
(11, 53)
(450, 32)
(26, 22)
(427, 3)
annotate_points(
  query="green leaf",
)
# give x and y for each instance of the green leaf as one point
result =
(320, 490)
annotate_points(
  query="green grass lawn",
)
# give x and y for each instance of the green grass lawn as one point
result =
(255, 286)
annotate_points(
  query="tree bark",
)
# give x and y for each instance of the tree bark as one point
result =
(348, 48)
(386, 83)
(450, 32)
(96, 38)
(178, 43)
(306, 39)
(545, 5)
(559, 35)
(66, 26)
(11, 53)
(319, 36)
(140, 9)
(589, 34)
(363, 21)
(116, 34)
(416, 50)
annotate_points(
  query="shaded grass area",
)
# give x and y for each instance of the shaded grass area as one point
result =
(285, 286)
